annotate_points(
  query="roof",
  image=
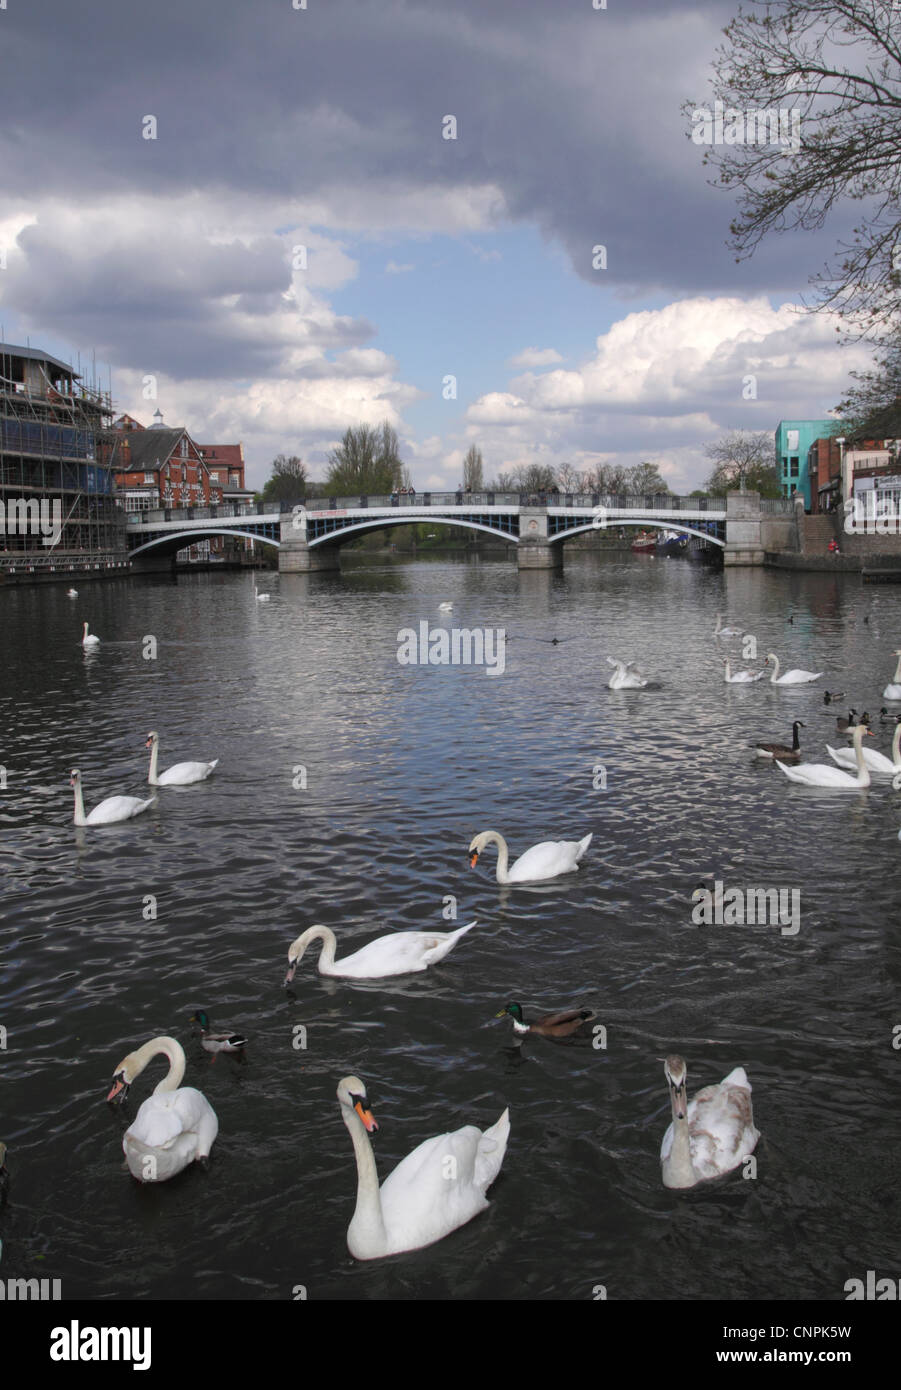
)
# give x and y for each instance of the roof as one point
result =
(227, 455)
(36, 355)
(147, 449)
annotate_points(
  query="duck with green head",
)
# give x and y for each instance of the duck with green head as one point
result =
(217, 1042)
(559, 1025)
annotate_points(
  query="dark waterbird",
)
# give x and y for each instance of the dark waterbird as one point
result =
(559, 1025)
(782, 751)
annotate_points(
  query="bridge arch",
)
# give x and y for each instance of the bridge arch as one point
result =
(384, 523)
(648, 523)
(174, 541)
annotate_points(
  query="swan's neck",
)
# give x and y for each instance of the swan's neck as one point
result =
(154, 754)
(80, 818)
(775, 676)
(680, 1165)
(863, 774)
(327, 953)
(169, 1048)
(503, 855)
(897, 679)
(368, 1225)
(896, 745)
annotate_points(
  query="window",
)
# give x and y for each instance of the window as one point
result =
(184, 446)
(794, 468)
(149, 478)
(214, 477)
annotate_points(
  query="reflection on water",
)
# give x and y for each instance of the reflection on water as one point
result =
(348, 789)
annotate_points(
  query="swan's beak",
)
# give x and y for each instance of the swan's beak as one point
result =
(292, 970)
(677, 1096)
(119, 1091)
(473, 859)
(367, 1117)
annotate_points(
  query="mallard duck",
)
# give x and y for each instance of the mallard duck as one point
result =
(217, 1042)
(559, 1025)
(780, 750)
(831, 696)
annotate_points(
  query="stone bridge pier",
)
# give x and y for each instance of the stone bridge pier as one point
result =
(296, 556)
(535, 550)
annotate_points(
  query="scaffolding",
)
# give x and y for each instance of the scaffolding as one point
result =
(57, 445)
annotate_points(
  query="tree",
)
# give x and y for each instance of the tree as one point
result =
(746, 459)
(472, 469)
(288, 480)
(645, 480)
(367, 461)
(872, 409)
(834, 69)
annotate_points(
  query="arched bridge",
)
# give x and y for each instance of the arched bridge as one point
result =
(309, 534)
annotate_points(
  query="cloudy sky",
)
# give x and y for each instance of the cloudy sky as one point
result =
(300, 248)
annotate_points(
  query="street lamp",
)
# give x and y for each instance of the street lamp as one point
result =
(840, 441)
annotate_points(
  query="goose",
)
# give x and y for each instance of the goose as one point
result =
(875, 761)
(626, 676)
(88, 639)
(260, 598)
(847, 726)
(791, 677)
(71, 593)
(110, 811)
(824, 775)
(720, 631)
(710, 1134)
(559, 1025)
(399, 953)
(893, 690)
(437, 1188)
(174, 1127)
(547, 860)
(181, 774)
(217, 1042)
(780, 750)
(832, 695)
(740, 677)
(445, 607)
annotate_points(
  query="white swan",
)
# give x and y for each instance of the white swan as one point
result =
(445, 607)
(437, 1188)
(893, 690)
(626, 676)
(71, 593)
(174, 1126)
(180, 774)
(719, 631)
(260, 598)
(824, 775)
(399, 953)
(740, 677)
(711, 1133)
(88, 639)
(875, 761)
(110, 811)
(795, 677)
(547, 860)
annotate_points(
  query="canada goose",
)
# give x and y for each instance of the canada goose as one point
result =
(780, 750)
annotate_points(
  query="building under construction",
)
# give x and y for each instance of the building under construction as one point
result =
(57, 458)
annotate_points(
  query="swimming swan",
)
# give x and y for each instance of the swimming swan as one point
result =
(719, 631)
(893, 690)
(174, 1126)
(626, 676)
(110, 811)
(400, 953)
(180, 774)
(547, 860)
(710, 1134)
(740, 677)
(795, 677)
(824, 775)
(437, 1188)
(88, 639)
(875, 761)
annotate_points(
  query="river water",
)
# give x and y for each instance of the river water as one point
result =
(403, 764)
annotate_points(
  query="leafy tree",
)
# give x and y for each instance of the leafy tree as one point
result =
(746, 460)
(288, 480)
(872, 409)
(367, 461)
(472, 469)
(838, 64)
(645, 480)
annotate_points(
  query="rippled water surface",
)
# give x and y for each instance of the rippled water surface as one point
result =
(404, 764)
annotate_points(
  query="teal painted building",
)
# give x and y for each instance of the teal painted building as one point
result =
(793, 439)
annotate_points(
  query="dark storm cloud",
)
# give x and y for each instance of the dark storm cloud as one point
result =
(573, 113)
